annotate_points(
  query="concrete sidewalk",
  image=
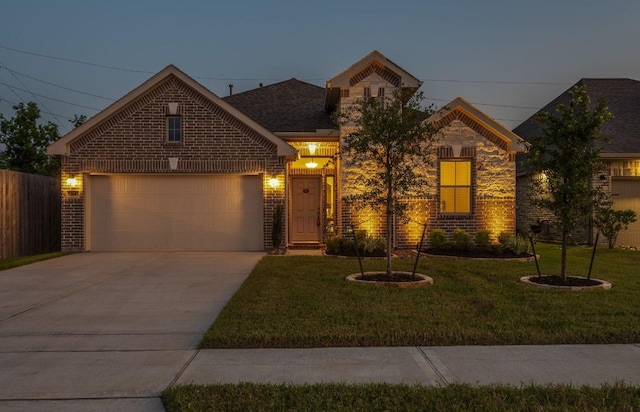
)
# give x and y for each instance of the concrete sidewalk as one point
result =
(578, 365)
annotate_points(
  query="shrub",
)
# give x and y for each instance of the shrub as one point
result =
(368, 245)
(461, 239)
(518, 245)
(437, 238)
(278, 219)
(611, 222)
(504, 238)
(334, 245)
(482, 238)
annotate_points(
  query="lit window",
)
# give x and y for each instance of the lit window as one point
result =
(174, 129)
(455, 186)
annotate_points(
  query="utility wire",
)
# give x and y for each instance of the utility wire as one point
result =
(50, 98)
(486, 104)
(62, 125)
(497, 82)
(2, 99)
(273, 79)
(74, 61)
(56, 85)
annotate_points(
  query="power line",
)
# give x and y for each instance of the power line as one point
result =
(50, 98)
(2, 99)
(536, 83)
(74, 61)
(56, 85)
(497, 82)
(486, 104)
(33, 94)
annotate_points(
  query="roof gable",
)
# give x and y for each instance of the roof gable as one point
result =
(460, 109)
(623, 99)
(374, 62)
(288, 106)
(136, 97)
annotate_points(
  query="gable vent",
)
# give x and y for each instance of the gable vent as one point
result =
(383, 72)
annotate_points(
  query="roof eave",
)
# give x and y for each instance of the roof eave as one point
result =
(61, 146)
(516, 143)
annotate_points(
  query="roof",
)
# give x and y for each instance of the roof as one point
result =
(461, 109)
(62, 145)
(288, 106)
(623, 99)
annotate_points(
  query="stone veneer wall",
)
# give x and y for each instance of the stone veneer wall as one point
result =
(134, 141)
(493, 186)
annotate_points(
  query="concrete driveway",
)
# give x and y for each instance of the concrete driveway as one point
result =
(108, 331)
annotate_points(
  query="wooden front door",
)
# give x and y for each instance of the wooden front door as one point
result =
(305, 209)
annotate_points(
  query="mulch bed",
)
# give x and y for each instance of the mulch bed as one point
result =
(556, 280)
(375, 253)
(489, 253)
(383, 277)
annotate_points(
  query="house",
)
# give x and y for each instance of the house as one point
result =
(621, 175)
(172, 166)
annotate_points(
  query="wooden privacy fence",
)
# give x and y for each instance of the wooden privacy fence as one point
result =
(29, 214)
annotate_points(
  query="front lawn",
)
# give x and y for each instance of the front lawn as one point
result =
(383, 397)
(26, 260)
(305, 302)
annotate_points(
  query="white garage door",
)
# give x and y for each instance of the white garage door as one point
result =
(626, 195)
(197, 212)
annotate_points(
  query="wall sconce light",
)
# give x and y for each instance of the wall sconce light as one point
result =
(274, 182)
(72, 187)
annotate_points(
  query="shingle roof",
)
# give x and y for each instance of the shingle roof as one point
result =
(288, 106)
(623, 99)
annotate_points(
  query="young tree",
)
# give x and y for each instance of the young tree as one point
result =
(390, 140)
(565, 156)
(611, 222)
(26, 142)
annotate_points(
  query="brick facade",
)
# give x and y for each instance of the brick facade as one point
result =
(528, 214)
(493, 185)
(134, 140)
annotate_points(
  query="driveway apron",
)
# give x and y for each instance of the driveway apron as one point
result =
(111, 329)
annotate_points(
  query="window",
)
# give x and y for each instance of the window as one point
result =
(344, 92)
(455, 186)
(367, 92)
(174, 129)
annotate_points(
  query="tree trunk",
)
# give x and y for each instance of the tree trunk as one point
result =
(563, 264)
(389, 226)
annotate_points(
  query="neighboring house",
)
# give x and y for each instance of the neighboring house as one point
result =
(171, 166)
(621, 176)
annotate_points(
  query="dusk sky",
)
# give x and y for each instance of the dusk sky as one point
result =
(508, 57)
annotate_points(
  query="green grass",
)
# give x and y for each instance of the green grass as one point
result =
(305, 302)
(383, 397)
(26, 260)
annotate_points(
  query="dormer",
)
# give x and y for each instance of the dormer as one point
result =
(372, 76)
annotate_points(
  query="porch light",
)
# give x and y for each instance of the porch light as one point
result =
(274, 182)
(311, 164)
(312, 148)
(72, 182)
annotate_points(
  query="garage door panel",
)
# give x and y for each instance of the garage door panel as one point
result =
(176, 212)
(626, 195)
